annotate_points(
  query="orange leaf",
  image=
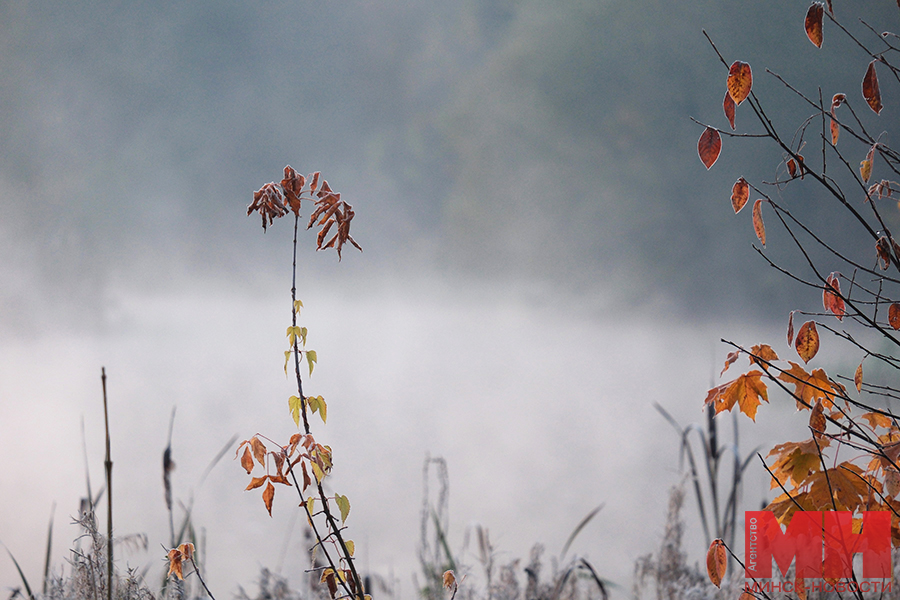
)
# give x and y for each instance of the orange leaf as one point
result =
(268, 496)
(792, 167)
(449, 579)
(835, 130)
(256, 482)
(175, 560)
(247, 460)
(716, 562)
(817, 421)
(894, 315)
(740, 80)
(740, 193)
(870, 89)
(810, 387)
(760, 353)
(857, 378)
(747, 391)
(728, 106)
(837, 100)
(807, 343)
(708, 146)
(831, 298)
(884, 252)
(758, 226)
(799, 585)
(729, 360)
(814, 23)
(259, 450)
(790, 329)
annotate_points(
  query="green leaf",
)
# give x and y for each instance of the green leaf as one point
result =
(297, 306)
(296, 405)
(287, 358)
(311, 360)
(351, 547)
(317, 471)
(343, 505)
(323, 408)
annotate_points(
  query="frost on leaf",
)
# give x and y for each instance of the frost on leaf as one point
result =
(831, 297)
(740, 193)
(865, 166)
(758, 226)
(814, 23)
(740, 80)
(807, 342)
(708, 146)
(716, 562)
(790, 329)
(870, 89)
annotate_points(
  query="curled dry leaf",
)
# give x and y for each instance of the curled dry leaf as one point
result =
(268, 496)
(892, 481)
(740, 193)
(728, 106)
(894, 315)
(790, 329)
(758, 226)
(870, 89)
(762, 355)
(817, 420)
(247, 460)
(449, 579)
(708, 146)
(807, 342)
(814, 23)
(857, 378)
(330, 212)
(729, 360)
(831, 297)
(792, 167)
(716, 562)
(800, 588)
(883, 248)
(835, 129)
(865, 166)
(740, 81)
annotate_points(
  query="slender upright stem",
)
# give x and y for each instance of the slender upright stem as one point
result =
(109, 495)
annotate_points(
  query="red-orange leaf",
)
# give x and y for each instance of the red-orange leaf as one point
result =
(870, 89)
(817, 420)
(256, 482)
(792, 167)
(894, 315)
(259, 450)
(709, 146)
(247, 460)
(831, 298)
(728, 106)
(716, 562)
(758, 226)
(740, 193)
(814, 23)
(835, 130)
(807, 342)
(740, 80)
(747, 391)
(790, 329)
(883, 249)
(268, 496)
(800, 588)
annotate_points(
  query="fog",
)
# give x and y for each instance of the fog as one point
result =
(545, 258)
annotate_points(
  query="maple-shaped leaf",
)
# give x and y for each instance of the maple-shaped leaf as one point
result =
(810, 387)
(784, 506)
(894, 315)
(796, 462)
(268, 496)
(846, 484)
(790, 329)
(762, 354)
(716, 562)
(295, 404)
(877, 420)
(870, 89)
(747, 391)
(814, 23)
(758, 226)
(728, 106)
(740, 193)
(739, 82)
(708, 146)
(807, 342)
(831, 297)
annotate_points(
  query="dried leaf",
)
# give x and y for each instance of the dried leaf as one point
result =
(740, 80)
(884, 252)
(892, 482)
(708, 146)
(449, 579)
(807, 343)
(259, 450)
(740, 193)
(792, 167)
(865, 166)
(747, 391)
(817, 421)
(835, 129)
(256, 482)
(800, 588)
(870, 89)
(894, 315)
(760, 353)
(857, 378)
(716, 562)
(729, 360)
(728, 106)
(247, 460)
(758, 226)
(268, 496)
(790, 329)
(175, 559)
(814, 23)
(837, 100)
(831, 297)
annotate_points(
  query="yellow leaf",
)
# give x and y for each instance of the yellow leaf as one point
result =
(323, 408)
(292, 333)
(807, 342)
(317, 471)
(297, 306)
(865, 170)
(351, 547)
(287, 357)
(296, 405)
(343, 505)
(311, 505)
(311, 360)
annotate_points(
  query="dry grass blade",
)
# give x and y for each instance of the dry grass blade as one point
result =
(578, 529)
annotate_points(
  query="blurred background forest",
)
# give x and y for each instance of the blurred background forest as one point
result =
(545, 255)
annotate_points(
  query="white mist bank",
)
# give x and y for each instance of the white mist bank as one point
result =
(541, 409)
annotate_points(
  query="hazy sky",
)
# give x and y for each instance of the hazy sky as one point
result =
(545, 256)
